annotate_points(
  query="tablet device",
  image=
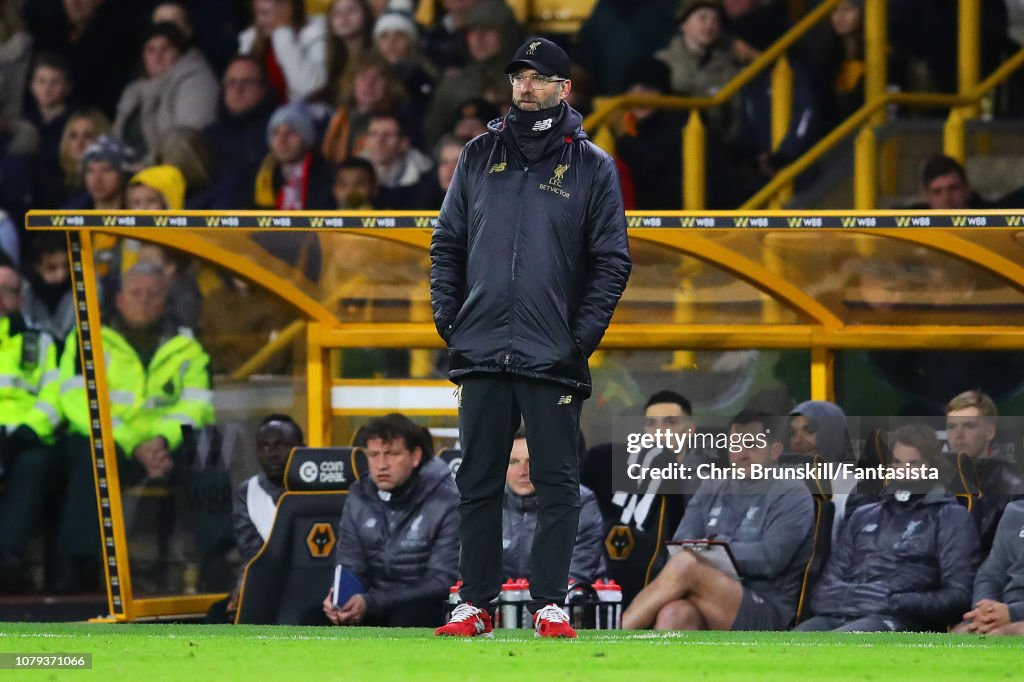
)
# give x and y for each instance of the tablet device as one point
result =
(715, 552)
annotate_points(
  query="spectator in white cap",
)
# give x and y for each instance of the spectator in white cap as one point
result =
(395, 37)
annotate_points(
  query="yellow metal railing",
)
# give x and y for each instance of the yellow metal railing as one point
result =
(774, 57)
(962, 106)
(866, 145)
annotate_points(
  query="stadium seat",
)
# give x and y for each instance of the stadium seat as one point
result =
(821, 546)
(285, 583)
(452, 457)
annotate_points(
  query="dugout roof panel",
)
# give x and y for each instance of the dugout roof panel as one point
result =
(823, 269)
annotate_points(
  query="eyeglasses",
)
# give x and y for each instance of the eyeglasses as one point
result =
(242, 82)
(536, 79)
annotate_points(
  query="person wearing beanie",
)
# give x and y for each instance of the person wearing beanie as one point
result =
(106, 166)
(177, 89)
(699, 61)
(396, 38)
(293, 177)
(157, 188)
(491, 32)
(528, 261)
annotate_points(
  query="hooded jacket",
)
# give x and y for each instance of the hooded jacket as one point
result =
(832, 438)
(1001, 576)
(528, 260)
(406, 548)
(914, 560)
(519, 522)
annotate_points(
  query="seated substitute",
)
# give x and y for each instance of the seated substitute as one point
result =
(769, 527)
(971, 419)
(29, 386)
(255, 504)
(999, 586)
(519, 520)
(905, 562)
(399, 532)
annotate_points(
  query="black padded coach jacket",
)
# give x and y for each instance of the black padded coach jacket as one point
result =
(528, 260)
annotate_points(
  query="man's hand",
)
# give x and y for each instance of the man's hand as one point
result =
(988, 615)
(154, 457)
(332, 612)
(354, 610)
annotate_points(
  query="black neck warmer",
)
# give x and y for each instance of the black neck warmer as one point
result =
(531, 129)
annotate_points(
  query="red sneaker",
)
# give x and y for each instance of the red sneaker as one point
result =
(467, 621)
(551, 621)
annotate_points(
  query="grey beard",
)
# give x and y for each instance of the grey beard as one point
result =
(552, 101)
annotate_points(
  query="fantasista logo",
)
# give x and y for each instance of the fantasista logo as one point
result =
(555, 182)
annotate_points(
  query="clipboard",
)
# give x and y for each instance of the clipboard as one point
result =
(715, 552)
(346, 584)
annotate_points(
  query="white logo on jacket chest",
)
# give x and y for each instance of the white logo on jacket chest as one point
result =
(752, 512)
(911, 528)
(370, 523)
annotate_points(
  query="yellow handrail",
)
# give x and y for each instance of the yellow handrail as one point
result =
(864, 166)
(610, 106)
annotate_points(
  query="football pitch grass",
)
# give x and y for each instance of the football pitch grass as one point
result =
(197, 653)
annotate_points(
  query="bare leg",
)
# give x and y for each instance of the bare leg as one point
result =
(716, 596)
(679, 615)
(1015, 628)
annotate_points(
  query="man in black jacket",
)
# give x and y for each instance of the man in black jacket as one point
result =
(398, 532)
(528, 261)
(905, 563)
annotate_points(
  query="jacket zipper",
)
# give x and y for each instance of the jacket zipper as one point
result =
(515, 254)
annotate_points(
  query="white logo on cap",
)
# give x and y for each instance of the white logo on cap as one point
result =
(532, 49)
(309, 471)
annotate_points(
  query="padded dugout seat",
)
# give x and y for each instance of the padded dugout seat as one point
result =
(452, 457)
(285, 583)
(821, 545)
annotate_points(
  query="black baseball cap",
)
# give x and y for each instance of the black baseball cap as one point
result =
(540, 54)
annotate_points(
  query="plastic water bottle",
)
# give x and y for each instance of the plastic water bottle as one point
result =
(525, 619)
(509, 607)
(609, 611)
(576, 603)
(453, 596)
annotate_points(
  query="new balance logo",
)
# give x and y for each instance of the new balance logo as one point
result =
(542, 125)
(565, 400)
(498, 168)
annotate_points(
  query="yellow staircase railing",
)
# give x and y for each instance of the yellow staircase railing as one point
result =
(693, 137)
(866, 145)
(962, 106)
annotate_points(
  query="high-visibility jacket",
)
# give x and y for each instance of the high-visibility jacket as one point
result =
(29, 379)
(145, 401)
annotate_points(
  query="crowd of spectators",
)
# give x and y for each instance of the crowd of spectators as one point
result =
(266, 103)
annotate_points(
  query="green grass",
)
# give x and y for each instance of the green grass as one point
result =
(196, 653)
